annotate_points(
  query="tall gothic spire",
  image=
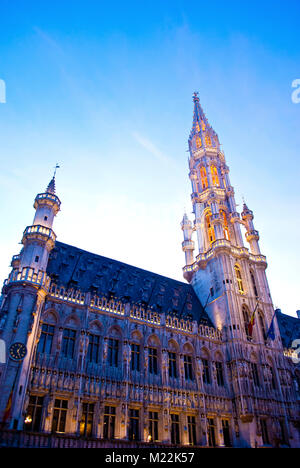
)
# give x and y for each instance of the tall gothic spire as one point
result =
(202, 134)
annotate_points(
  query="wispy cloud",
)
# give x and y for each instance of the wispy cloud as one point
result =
(49, 40)
(153, 150)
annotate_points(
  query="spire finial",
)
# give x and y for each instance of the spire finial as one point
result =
(56, 167)
(245, 207)
(195, 96)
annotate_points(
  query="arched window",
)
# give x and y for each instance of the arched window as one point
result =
(210, 229)
(246, 318)
(188, 362)
(255, 374)
(262, 325)
(203, 176)
(239, 279)
(153, 354)
(198, 142)
(219, 370)
(214, 175)
(173, 350)
(207, 140)
(253, 284)
(225, 225)
(46, 338)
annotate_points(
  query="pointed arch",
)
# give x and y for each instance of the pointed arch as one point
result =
(207, 140)
(72, 321)
(262, 324)
(225, 225)
(115, 332)
(198, 142)
(209, 228)
(50, 316)
(173, 346)
(136, 336)
(205, 353)
(203, 176)
(254, 286)
(239, 279)
(246, 318)
(95, 326)
(153, 340)
(218, 356)
(214, 175)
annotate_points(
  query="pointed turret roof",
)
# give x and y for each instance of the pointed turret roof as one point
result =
(201, 126)
(185, 220)
(199, 117)
(51, 186)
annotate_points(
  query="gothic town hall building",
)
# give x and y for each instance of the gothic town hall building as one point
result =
(104, 354)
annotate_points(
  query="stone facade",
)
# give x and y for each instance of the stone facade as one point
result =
(115, 353)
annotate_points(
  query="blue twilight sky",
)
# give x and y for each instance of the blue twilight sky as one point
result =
(105, 89)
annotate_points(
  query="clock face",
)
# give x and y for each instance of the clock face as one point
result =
(17, 351)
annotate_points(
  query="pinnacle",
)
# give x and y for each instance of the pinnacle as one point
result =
(51, 186)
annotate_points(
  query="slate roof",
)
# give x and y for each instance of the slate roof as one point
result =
(72, 267)
(289, 328)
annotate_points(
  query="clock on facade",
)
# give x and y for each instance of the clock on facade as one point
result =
(17, 351)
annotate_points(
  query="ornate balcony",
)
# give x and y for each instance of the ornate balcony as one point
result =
(28, 275)
(219, 244)
(47, 198)
(40, 232)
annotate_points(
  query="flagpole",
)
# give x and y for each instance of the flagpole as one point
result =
(11, 396)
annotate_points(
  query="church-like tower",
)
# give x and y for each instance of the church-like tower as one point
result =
(230, 280)
(228, 277)
(24, 293)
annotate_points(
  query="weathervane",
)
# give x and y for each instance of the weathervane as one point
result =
(56, 167)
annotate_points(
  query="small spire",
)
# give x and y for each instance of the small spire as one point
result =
(245, 207)
(195, 96)
(185, 218)
(201, 127)
(51, 185)
(199, 117)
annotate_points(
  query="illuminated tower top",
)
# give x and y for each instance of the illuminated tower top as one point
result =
(202, 134)
(217, 222)
(224, 273)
